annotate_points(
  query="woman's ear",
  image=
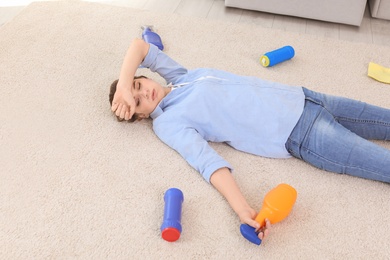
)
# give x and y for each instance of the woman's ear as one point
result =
(142, 116)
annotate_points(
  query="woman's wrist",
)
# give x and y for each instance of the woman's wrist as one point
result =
(224, 182)
(122, 84)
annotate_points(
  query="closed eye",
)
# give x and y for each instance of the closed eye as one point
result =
(138, 85)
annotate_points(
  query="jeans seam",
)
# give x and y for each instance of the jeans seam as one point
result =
(361, 121)
(338, 164)
(318, 102)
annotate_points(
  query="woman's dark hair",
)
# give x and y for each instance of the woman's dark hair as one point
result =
(111, 97)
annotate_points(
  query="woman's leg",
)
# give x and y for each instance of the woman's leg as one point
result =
(368, 121)
(321, 140)
(330, 146)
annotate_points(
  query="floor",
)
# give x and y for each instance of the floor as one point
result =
(376, 31)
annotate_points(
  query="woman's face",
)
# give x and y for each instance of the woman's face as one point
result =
(147, 95)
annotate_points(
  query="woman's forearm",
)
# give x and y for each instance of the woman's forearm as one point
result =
(224, 182)
(134, 56)
(123, 104)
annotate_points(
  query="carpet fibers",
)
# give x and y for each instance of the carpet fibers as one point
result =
(76, 184)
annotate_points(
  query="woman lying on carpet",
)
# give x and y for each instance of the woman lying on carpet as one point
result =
(252, 115)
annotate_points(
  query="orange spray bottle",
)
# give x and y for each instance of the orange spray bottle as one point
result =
(277, 204)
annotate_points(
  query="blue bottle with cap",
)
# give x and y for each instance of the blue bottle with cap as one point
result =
(151, 37)
(277, 56)
(171, 226)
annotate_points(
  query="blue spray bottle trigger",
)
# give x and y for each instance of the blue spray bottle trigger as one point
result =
(151, 37)
(250, 234)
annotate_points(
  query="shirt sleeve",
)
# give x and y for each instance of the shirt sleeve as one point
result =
(193, 148)
(166, 67)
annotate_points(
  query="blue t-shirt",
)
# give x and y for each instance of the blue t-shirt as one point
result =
(248, 113)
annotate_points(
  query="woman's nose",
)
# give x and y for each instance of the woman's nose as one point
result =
(146, 93)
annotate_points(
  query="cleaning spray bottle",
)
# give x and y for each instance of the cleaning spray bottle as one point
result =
(171, 226)
(277, 204)
(151, 37)
(272, 58)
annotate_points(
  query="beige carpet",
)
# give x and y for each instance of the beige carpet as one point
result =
(76, 184)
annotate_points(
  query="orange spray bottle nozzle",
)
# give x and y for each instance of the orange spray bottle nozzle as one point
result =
(277, 204)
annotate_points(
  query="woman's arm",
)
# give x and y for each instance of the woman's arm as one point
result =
(224, 182)
(123, 103)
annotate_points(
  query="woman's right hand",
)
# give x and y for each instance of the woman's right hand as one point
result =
(123, 103)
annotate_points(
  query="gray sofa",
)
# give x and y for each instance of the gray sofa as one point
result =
(337, 11)
(380, 8)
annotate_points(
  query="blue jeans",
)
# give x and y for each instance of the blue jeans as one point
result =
(332, 135)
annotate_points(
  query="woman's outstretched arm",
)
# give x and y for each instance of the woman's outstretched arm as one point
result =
(224, 182)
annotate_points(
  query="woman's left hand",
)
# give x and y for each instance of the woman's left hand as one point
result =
(264, 231)
(247, 217)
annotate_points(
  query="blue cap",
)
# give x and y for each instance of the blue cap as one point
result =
(250, 234)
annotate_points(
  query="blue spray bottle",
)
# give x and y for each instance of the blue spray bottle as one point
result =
(151, 37)
(171, 226)
(277, 56)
